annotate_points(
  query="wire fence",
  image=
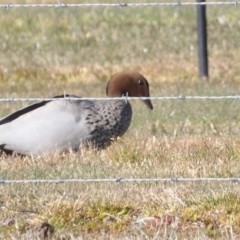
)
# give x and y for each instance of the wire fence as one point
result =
(120, 180)
(117, 4)
(126, 98)
(128, 180)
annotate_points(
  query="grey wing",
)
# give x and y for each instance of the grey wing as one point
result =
(51, 126)
(22, 111)
(29, 108)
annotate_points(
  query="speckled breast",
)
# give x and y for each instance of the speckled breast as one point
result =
(106, 121)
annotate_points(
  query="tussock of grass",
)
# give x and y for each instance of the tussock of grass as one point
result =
(89, 217)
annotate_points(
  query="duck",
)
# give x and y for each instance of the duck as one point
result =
(58, 125)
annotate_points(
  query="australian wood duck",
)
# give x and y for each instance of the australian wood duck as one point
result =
(48, 126)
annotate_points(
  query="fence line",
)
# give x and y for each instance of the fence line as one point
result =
(125, 98)
(119, 180)
(118, 4)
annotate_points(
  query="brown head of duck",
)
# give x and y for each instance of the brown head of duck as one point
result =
(130, 83)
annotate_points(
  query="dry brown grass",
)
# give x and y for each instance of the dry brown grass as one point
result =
(130, 209)
(47, 52)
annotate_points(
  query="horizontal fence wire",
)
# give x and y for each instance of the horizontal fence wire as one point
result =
(118, 4)
(125, 98)
(119, 180)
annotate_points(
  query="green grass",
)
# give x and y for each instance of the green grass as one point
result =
(46, 52)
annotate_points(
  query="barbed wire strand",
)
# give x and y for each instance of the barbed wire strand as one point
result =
(125, 98)
(121, 4)
(118, 180)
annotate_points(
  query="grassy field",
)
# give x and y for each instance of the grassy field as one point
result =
(45, 52)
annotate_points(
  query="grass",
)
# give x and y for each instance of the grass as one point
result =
(47, 51)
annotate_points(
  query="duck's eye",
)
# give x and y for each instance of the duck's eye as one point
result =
(140, 82)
